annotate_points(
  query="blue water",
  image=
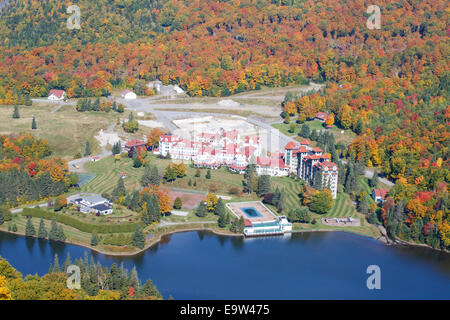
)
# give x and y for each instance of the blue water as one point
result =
(201, 265)
(251, 212)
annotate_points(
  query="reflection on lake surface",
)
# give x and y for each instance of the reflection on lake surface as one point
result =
(310, 265)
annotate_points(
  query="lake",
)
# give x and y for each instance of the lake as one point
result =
(313, 265)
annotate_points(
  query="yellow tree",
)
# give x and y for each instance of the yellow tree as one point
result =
(330, 120)
(164, 201)
(211, 201)
(5, 293)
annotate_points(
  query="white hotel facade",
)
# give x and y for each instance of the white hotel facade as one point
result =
(227, 148)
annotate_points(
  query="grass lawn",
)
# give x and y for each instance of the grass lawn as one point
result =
(66, 130)
(342, 207)
(72, 234)
(107, 174)
(347, 137)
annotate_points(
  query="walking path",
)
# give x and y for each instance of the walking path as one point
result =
(163, 223)
(77, 165)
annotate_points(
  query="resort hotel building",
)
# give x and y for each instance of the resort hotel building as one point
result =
(228, 148)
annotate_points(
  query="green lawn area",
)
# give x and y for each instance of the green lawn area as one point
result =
(291, 189)
(66, 130)
(284, 128)
(342, 207)
(346, 137)
(107, 174)
(72, 234)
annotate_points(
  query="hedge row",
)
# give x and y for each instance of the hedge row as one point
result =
(80, 225)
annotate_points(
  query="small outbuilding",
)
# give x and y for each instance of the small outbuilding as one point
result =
(128, 95)
(57, 95)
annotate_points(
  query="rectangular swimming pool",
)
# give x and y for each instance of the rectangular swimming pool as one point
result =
(251, 212)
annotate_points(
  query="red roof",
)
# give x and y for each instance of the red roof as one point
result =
(135, 143)
(304, 142)
(301, 149)
(322, 115)
(232, 166)
(57, 93)
(381, 192)
(247, 223)
(313, 157)
(327, 164)
(317, 149)
(291, 145)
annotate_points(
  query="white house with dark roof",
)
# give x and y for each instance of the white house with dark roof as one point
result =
(91, 202)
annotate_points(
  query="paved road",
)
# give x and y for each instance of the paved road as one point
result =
(368, 173)
(82, 161)
(167, 223)
(43, 205)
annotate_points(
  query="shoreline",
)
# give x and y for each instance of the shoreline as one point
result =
(156, 240)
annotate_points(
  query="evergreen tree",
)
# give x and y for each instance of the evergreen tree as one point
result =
(221, 221)
(313, 135)
(305, 131)
(2, 218)
(359, 127)
(374, 181)
(16, 114)
(60, 234)
(220, 208)
(53, 234)
(87, 149)
(33, 124)
(208, 174)
(137, 163)
(56, 267)
(139, 239)
(249, 176)
(29, 228)
(201, 210)
(120, 190)
(154, 176)
(150, 290)
(14, 228)
(363, 205)
(146, 176)
(42, 232)
(94, 240)
(276, 197)
(177, 204)
(67, 262)
(116, 148)
(351, 182)
(96, 106)
(263, 185)
(281, 204)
